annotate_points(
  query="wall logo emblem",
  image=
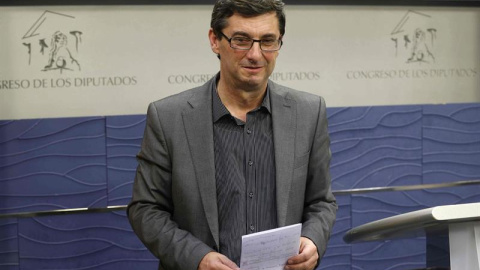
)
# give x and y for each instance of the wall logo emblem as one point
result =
(414, 38)
(53, 43)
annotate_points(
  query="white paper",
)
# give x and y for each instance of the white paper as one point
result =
(270, 249)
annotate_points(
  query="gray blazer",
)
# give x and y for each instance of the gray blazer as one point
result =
(174, 207)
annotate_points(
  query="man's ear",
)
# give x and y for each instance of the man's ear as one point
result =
(214, 42)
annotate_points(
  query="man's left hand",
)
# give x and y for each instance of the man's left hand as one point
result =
(307, 257)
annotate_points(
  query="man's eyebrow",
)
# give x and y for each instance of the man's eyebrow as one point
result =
(269, 36)
(241, 33)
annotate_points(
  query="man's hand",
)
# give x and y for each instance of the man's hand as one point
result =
(214, 260)
(307, 257)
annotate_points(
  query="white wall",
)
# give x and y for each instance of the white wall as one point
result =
(130, 56)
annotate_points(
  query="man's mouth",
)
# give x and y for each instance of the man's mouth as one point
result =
(253, 68)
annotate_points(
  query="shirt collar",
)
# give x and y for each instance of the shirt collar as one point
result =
(219, 110)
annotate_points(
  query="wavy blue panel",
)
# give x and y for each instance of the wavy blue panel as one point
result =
(8, 244)
(338, 255)
(390, 254)
(375, 146)
(52, 163)
(86, 241)
(399, 254)
(445, 196)
(124, 136)
(78, 162)
(451, 142)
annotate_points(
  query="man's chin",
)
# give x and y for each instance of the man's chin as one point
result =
(254, 86)
(255, 78)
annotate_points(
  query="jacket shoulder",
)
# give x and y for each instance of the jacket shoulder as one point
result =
(302, 98)
(183, 100)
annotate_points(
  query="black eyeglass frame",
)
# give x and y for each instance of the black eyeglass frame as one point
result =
(280, 41)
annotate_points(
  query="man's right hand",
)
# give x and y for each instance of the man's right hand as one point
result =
(215, 260)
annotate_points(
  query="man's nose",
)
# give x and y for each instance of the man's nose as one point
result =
(255, 51)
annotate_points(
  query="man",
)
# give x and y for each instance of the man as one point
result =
(237, 155)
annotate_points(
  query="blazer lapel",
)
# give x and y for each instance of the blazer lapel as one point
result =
(199, 129)
(284, 125)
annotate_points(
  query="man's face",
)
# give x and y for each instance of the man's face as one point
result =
(247, 69)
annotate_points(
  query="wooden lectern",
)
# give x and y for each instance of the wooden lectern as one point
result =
(458, 226)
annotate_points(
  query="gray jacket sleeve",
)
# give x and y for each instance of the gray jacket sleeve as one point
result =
(151, 210)
(320, 206)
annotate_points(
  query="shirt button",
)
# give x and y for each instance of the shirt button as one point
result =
(249, 131)
(250, 163)
(252, 228)
(250, 194)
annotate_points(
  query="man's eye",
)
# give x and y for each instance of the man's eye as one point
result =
(268, 41)
(241, 40)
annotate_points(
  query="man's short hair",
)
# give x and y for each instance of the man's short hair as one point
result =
(224, 9)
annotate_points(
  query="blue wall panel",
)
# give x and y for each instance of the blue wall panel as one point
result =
(451, 152)
(375, 146)
(389, 255)
(9, 244)
(338, 255)
(52, 163)
(394, 254)
(451, 143)
(124, 136)
(85, 241)
(90, 162)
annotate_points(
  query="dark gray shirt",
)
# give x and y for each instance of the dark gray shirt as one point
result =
(245, 174)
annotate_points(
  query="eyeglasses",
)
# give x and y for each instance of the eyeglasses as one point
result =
(246, 43)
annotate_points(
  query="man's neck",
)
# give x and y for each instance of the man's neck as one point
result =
(240, 101)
